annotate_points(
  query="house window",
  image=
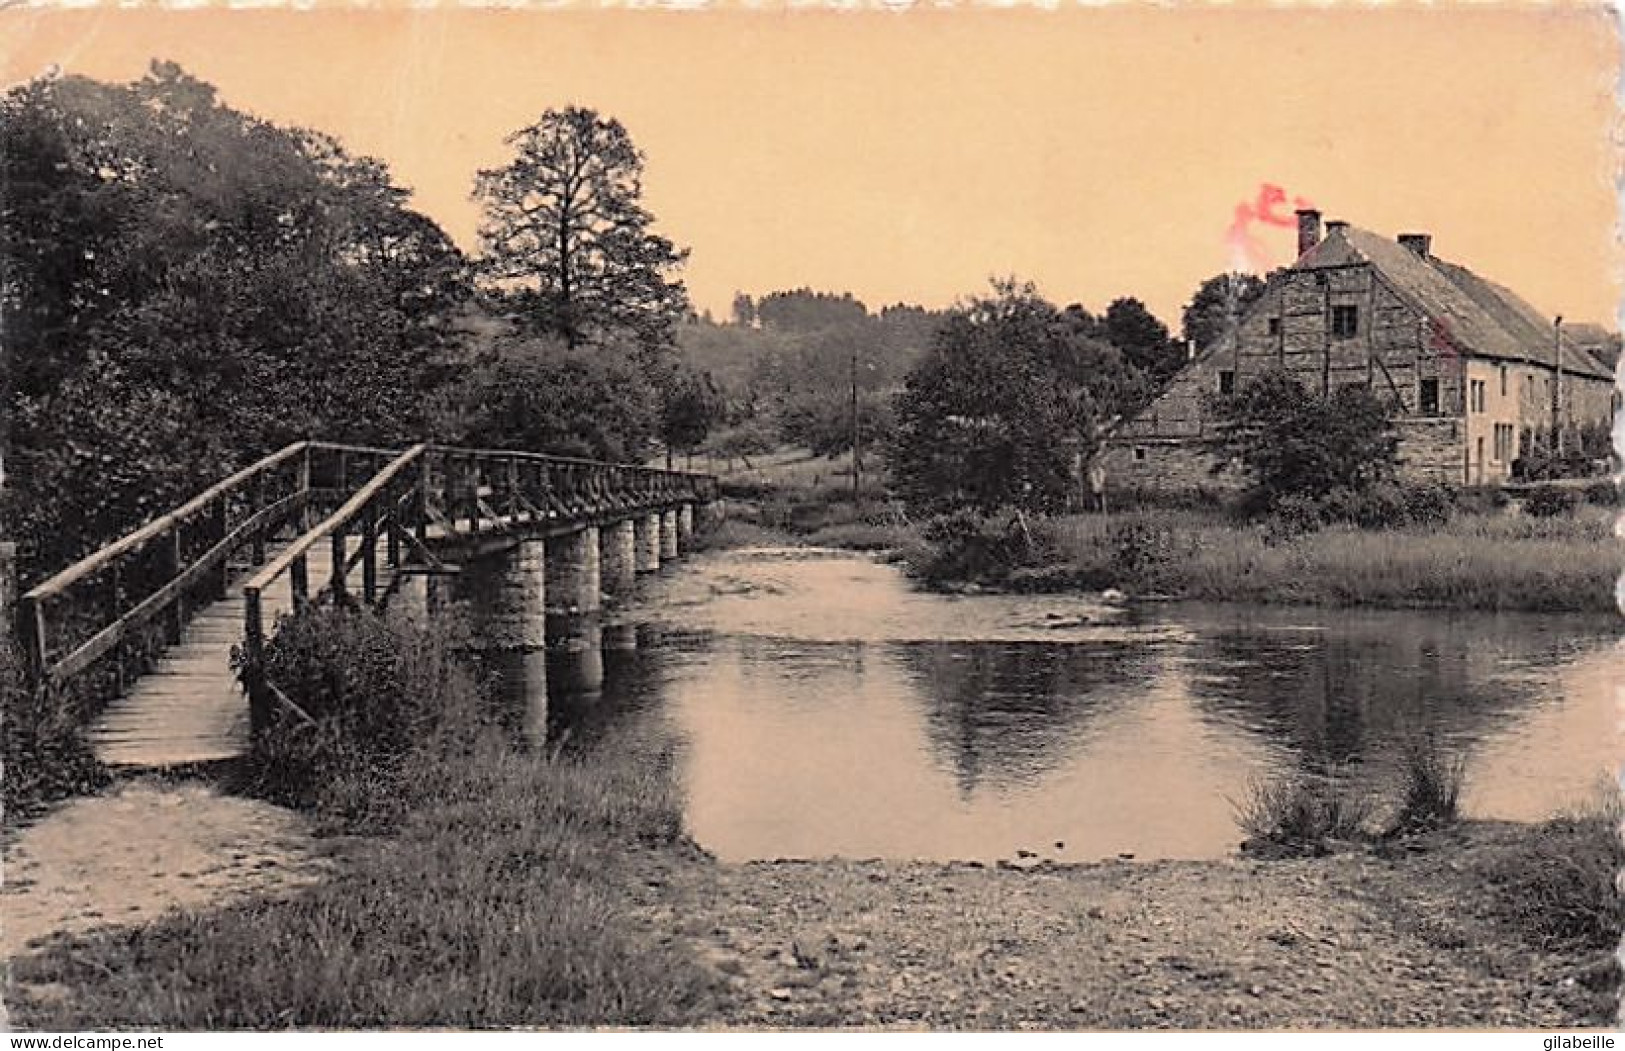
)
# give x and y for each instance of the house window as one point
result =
(1428, 400)
(1227, 382)
(1475, 395)
(1503, 381)
(1503, 442)
(1275, 326)
(1139, 452)
(1345, 321)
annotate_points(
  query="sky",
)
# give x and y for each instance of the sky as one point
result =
(912, 156)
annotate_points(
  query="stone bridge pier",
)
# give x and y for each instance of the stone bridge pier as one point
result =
(538, 604)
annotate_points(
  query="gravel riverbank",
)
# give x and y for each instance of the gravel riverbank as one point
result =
(1353, 941)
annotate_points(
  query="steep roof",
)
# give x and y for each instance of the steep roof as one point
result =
(1483, 318)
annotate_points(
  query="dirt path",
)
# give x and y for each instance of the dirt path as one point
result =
(128, 856)
(1350, 942)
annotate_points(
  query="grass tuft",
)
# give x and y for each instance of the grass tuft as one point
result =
(1300, 814)
(1431, 782)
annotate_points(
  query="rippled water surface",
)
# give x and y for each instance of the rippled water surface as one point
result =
(820, 706)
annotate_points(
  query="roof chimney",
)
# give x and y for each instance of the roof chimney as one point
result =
(1335, 226)
(1421, 244)
(1308, 229)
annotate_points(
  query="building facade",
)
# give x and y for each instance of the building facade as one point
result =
(1470, 367)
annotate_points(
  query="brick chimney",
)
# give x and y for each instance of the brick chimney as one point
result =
(1308, 229)
(1421, 244)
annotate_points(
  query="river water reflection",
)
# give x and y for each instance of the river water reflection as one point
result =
(822, 707)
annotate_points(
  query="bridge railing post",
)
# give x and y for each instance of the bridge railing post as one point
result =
(340, 557)
(302, 486)
(174, 562)
(256, 502)
(424, 492)
(254, 661)
(511, 468)
(32, 636)
(369, 554)
(299, 582)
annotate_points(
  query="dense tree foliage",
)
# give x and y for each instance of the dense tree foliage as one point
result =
(1009, 400)
(566, 238)
(539, 394)
(1303, 445)
(1141, 339)
(691, 407)
(186, 286)
(1217, 305)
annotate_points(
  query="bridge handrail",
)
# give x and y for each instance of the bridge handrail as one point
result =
(521, 454)
(163, 523)
(158, 526)
(340, 518)
(128, 589)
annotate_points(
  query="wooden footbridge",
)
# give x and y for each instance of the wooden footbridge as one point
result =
(168, 624)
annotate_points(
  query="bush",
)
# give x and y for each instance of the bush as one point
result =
(1292, 517)
(1141, 548)
(1551, 501)
(1299, 814)
(1428, 504)
(1480, 500)
(1431, 783)
(968, 545)
(45, 755)
(1602, 494)
(1559, 889)
(387, 698)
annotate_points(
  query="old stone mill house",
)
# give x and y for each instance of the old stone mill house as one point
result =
(1471, 366)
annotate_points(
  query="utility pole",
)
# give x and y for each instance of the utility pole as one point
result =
(1557, 388)
(857, 448)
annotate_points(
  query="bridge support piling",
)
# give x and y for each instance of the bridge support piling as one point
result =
(573, 572)
(648, 542)
(511, 628)
(668, 536)
(685, 528)
(8, 592)
(618, 556)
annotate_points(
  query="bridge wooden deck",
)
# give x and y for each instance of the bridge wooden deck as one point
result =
(191, 708)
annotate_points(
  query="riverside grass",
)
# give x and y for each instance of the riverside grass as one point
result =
(489, 887)
(1471, 562)
(495, 906)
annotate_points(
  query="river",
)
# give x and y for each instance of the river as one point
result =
(819, 706)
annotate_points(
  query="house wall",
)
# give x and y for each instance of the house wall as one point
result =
(1526, 405)
(1394, 349)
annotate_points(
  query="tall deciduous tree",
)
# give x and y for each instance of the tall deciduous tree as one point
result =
(1142, 339)
(566, 237)
(1010, 398)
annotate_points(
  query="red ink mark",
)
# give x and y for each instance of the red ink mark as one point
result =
(1247, 253)
(1440, 339)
